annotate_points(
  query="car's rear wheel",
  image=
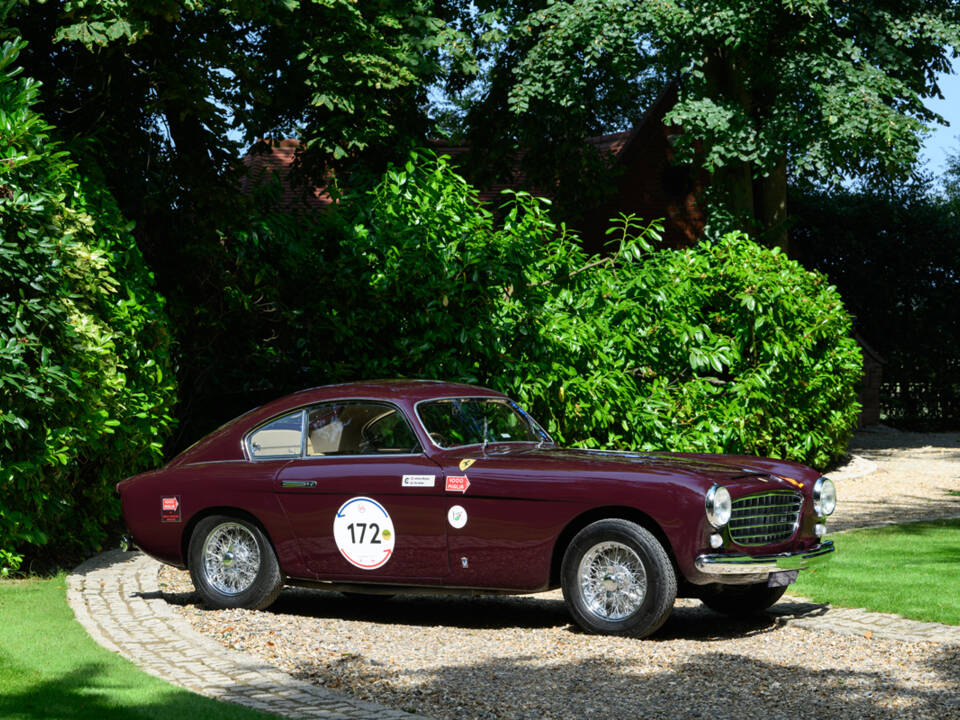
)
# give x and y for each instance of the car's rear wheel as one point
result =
(233, 564)
(741, 600)
(617, 579)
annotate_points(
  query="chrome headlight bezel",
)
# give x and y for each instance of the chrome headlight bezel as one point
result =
(718, 505)
(824, 497)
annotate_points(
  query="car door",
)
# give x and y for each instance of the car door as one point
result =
(364, 501)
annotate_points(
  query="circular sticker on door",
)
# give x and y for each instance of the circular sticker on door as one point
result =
(457, 516)
(364, 533)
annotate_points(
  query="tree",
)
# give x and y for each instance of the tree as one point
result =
(951, 178)
(162, 98)
(86, 366)
(813, 89)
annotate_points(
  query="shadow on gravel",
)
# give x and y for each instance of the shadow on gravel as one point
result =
(485, 612)
(686, 622)
(888, 441)
(706, 685)
(503, 612)
(946, 664)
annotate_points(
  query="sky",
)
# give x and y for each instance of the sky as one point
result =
(944, 140)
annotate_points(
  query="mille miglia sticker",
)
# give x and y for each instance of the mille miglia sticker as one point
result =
(170, 509)
(457, 483)
(418, 480)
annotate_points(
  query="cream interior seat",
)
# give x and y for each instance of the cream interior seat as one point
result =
(326, 439)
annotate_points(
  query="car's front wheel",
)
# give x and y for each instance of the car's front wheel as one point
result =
(617, 579)
(233, 564)
(741, 600)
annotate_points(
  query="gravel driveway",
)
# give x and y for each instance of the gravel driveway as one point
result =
(520, 657)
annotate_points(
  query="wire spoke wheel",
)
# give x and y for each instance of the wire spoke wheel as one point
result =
(613, 581)
(617, 579)
(231, 558)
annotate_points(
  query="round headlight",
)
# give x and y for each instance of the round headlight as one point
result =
(718, 506)
(824, 497)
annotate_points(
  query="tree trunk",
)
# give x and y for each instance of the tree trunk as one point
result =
(758, 203)
(735, 183)
(770, 198)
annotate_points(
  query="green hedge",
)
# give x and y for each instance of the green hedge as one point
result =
(724, 347)
(894, 256)
(86, 373)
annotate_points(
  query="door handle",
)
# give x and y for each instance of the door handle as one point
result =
(298, 483)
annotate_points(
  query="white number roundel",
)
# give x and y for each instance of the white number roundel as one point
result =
(364, 533)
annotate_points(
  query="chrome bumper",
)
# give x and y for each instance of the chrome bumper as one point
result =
(760, 566)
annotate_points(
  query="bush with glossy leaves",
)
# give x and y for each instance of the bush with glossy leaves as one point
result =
(86, 373)
(725, 347)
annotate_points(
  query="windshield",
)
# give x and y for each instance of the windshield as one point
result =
(471, 421)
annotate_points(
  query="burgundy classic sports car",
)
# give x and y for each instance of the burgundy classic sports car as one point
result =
(392, 486)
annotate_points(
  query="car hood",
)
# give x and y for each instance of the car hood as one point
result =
(716, 466)
(702, 469)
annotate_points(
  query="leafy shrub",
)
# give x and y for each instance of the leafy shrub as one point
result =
(740, 349)
(86, 375)
(724, 347)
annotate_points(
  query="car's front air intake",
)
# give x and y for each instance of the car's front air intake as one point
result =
(765, 518)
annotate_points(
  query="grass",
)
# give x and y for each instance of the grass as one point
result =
(911, 570)
(51, 669)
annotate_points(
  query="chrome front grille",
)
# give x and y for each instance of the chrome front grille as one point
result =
(765, 518)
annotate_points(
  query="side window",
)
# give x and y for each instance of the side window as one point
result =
(282, 437)
(358, 428)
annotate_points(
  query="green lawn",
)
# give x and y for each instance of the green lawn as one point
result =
(50, 668)
(911, 570)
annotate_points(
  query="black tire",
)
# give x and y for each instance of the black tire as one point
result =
(233, 564)
(636, 594)
(741, 600)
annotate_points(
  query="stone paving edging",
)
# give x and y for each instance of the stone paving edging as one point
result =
(115, 596)
(117, 599)
(803, 613)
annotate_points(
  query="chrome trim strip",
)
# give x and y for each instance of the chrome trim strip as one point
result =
(741, 564)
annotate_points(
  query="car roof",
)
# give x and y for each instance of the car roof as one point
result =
(396, 390)
(225, 443)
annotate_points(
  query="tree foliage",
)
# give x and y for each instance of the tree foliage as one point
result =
(814, 88)
(951, 178)
(162, 98)
(86, 373)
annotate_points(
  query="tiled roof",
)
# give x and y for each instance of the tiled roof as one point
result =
(611, 143)
(268, 159)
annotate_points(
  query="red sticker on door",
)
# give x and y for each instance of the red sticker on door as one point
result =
(170, 508)
(457, 483)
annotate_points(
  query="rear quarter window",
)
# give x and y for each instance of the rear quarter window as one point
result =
(282, 437)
